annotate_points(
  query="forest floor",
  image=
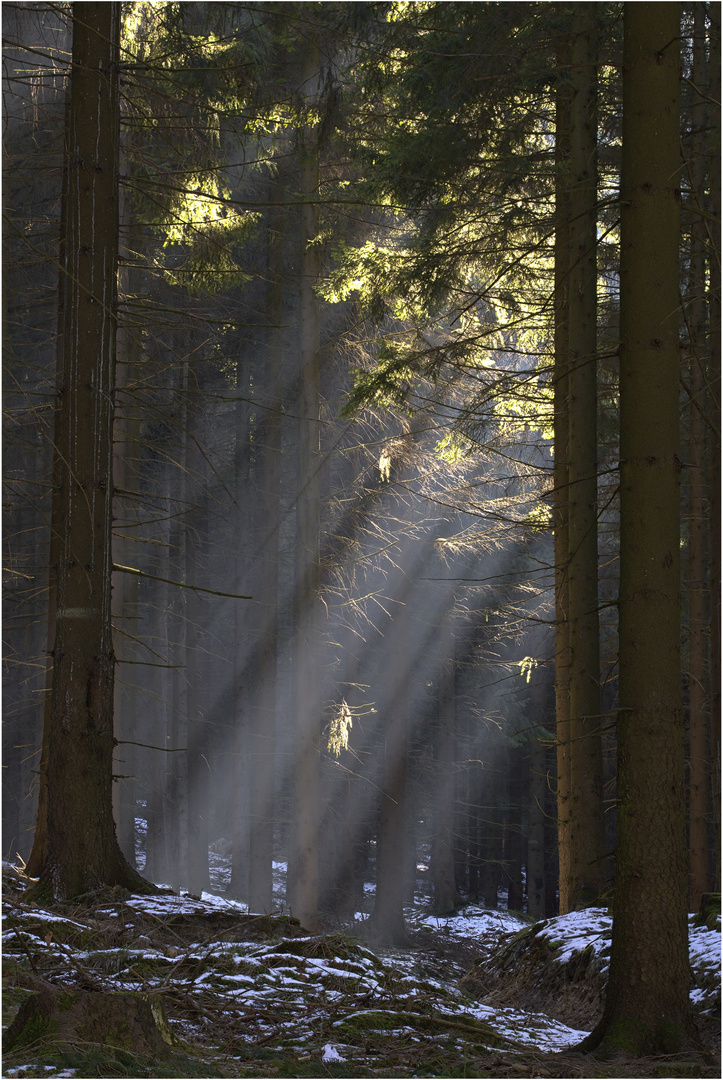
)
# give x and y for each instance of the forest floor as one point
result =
(479, 994)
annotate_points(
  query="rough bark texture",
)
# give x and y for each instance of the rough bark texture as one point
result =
(133, 1023)
(82, 849)
(647, 1008)
(39, 850)
(560, 476)
(698, 635)
(587, 837)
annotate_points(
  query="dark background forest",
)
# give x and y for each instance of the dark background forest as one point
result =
(368, 511)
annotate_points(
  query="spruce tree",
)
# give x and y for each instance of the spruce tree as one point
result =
(647, 1007)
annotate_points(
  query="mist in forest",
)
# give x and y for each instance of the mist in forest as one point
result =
(352, 639)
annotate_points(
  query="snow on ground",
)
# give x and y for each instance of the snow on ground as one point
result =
(291, 988)
(579, 930)
(589, 929)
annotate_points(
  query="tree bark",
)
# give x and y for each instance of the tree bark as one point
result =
(587, 869)
(698, 635)
(561, 465)
(714, 82)
(647, 1008)
(39, 850)
(82, 848)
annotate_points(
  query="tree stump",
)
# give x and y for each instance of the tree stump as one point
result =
(123, 1021)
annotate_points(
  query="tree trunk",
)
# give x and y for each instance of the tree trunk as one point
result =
(698, 637)
(445, 893)
(82, 849)
(303, 886)
(647, 1008)
(536, 831)
(242, 734)
(513, 838)
(263, 772)
(714, 82)
(561, 465)
(387, 918)
(491, 828)
(40, 839)
(586, 821)
(199, 806)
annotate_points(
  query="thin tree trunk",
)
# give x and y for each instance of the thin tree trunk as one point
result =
(647, 1007)
(561, 466)
(587, 837)
(125, 587)
(242, 758)
(513, 832)
(387, 918)
(445, 893)
(303, 884)
(263, 772)
(197, 757)
(714, 82)
(177, 719)
(491, 828)
(536, 831)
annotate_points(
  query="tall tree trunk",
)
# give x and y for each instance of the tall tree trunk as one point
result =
(125, 586)
(714, 82)
(587, 837)
(698, 637)
(561, 466)
(197, 756)
(82, 848)
(177, 732)
(242, 736)
(263, 772)
(303, 885)
(40, 839)
(647, 1008)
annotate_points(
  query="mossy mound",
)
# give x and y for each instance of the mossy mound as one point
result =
(526, 973)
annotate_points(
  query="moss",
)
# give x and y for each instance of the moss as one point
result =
(361, 1024)
(36, 1020)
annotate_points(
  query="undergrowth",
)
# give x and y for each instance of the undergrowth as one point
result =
(255, 997)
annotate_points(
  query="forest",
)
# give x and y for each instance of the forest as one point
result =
(361, 546)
